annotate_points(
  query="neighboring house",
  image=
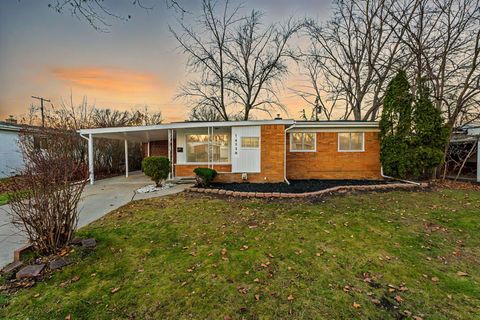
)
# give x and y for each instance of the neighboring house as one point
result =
(11, 159)
(464, 153)
(257, 151)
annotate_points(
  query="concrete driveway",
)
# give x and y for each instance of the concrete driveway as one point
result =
(97, 200)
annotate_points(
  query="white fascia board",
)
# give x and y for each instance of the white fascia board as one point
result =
(185, 125)
(9, 128)
(475, 131)
(337, 124)
(181, 125)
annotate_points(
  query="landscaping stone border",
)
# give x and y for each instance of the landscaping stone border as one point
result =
(339, 189)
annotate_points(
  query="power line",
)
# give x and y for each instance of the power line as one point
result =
(41, 108)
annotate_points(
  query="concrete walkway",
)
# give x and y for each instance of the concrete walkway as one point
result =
(97, 200)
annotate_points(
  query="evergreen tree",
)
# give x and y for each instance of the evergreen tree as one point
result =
(396, 126)
(430, 133)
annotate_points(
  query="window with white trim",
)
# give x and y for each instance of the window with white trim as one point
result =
(303, 141)
(197, 148)
(250, 142)
(351, 141)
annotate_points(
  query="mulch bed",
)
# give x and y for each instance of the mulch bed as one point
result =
(459, 185)
(295, 186)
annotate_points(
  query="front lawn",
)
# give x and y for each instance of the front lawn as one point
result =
(367, 256)
(4, 198)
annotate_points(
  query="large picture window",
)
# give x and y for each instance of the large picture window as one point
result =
(197, 148)
(303, 141)
(351, 141)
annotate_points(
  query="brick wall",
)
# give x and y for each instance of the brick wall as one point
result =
(328, 163)
(186, 170)
(157, 148)
(325, 163)
(271, 160)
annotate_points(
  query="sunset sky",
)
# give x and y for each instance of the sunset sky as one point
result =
(137, 63)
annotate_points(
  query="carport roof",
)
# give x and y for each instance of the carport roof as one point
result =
(159, 132)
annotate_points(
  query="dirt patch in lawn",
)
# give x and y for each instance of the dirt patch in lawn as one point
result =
(295, 186)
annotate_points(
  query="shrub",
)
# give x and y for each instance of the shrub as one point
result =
(156, 168)
(413, 138)
(204, 176)
(431, 135)
(44, 200)
(395, 127)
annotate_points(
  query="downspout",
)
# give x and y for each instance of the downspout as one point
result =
(388, 177)
(285, 153)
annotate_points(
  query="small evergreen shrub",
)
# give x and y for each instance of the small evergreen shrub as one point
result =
(156, 168)
(204, 176)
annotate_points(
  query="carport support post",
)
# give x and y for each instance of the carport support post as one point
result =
(478, 160)
(169, 151)
(126, 158)
(90, 158)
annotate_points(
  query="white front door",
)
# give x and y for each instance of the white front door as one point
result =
(246, 149)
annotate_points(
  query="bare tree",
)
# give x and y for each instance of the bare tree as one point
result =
(98, 14)
(314, 92)
(443, 38)
(257, 57)
(359, 51)
(239, 61)
(109, 154)
(205, 45)
(204, 114)
(44, 201)
(147, 118)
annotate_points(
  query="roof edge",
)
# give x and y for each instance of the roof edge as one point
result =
(186, 125)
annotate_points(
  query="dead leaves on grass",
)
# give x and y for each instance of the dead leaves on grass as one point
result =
(65, 283)
(115, 290)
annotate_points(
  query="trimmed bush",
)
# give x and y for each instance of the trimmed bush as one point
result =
(204, 176)
(156, 168)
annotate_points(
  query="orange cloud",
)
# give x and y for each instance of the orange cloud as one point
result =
(110, 80)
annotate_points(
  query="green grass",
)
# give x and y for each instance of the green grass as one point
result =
(4, 198)
(165, 256)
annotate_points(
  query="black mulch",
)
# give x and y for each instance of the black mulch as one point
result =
(295, 186)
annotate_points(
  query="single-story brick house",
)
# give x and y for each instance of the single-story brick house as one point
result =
(258, 151)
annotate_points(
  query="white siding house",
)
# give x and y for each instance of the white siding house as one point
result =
(10, 155)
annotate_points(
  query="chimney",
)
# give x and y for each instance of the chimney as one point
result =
(11, 119)
(278, 117)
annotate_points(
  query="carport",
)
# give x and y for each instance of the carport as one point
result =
(161, 132)
(140, 134)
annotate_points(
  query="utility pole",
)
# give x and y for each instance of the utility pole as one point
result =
(41, 108)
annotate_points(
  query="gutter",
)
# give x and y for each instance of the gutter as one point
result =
(285, 152)
(406, 181)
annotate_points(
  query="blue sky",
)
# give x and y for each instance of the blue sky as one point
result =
(136, 63)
